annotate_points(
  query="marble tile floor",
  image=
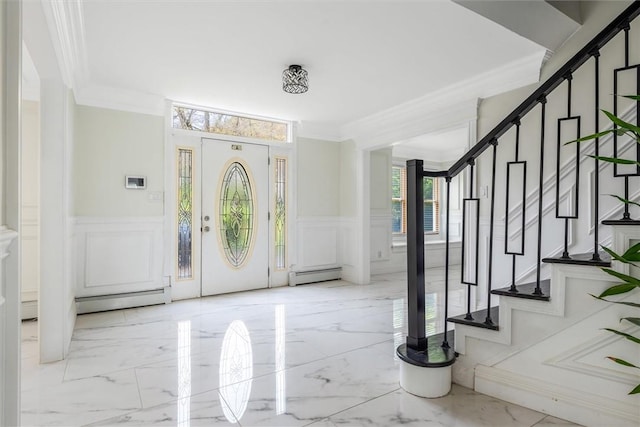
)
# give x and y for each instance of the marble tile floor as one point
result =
(319, 355)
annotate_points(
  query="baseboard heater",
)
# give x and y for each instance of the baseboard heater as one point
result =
(125, 300)
(312, 276)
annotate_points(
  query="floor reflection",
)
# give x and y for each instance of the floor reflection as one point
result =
(281, 379)
(236, 371)
(184, 374)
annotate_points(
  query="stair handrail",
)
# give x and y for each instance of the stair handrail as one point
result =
(590, 49)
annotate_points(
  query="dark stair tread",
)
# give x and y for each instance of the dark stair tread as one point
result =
(479, 318)
(621, 222)
(582, 259)
(435, 356)
(526, 290)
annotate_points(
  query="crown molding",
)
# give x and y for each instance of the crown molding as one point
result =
(120, 99)
(314, 130)
(443, 108)
(65, 20)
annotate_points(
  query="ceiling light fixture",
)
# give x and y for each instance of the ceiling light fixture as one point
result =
(295, 79)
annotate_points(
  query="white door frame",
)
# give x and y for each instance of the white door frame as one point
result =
(175, 138)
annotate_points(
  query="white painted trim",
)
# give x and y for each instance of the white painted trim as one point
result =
(317, 131)
(319, 244)
(10, 200)
(120, 99)
(554, 307)
(447, 107)
(94, 220)
(120, 301)
(99, 240)
(622, 237)
(56, 309)
(576, 405)
(66, 27)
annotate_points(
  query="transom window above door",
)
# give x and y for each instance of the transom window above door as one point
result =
(216, 122)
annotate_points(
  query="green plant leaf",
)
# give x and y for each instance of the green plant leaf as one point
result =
(634, 97)
(622, 362)
(634, 320)
(624, 277)
(630, 304)
(623, 334)
(621, 123)
(616, 160)
(636, 390)
(625, 201)
(633, 253)
(617, 257)
(592, 136)
(618, 289)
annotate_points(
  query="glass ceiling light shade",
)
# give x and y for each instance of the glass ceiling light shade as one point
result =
(295, 79)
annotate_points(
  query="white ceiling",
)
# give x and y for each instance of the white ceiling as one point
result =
(437, 147)
(363, 57)
(369, 61)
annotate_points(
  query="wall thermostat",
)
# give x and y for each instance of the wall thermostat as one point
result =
(135, 182)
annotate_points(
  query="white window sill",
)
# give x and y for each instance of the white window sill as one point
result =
(401, 245)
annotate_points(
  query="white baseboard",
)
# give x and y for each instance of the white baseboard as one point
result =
(578, 406)
(94, 304)
(312, 276)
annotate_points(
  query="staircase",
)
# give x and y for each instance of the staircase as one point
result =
(531, 248)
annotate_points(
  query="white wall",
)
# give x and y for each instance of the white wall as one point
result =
(10, 77)
(56, 309)
(30, 176)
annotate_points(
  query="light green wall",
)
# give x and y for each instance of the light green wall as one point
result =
(318, 177)
(108, 145)
(348, 188)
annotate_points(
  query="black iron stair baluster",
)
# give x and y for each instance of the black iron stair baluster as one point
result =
(543, 103)
(445, 342)
(466, 205)
(488, 319)
(515, 164)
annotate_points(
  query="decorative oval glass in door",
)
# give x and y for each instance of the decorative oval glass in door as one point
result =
(236, 214)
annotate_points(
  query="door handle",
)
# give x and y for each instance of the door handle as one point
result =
(206, 229)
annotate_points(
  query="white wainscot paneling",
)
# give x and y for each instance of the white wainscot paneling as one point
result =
(318, 243)
(380, 238)
(117, 255)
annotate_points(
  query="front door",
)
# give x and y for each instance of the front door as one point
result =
(235, 224)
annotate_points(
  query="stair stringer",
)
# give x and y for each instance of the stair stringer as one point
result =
(554, 307)
(547, 355)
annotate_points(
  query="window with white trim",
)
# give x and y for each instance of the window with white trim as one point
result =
(399, 202)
